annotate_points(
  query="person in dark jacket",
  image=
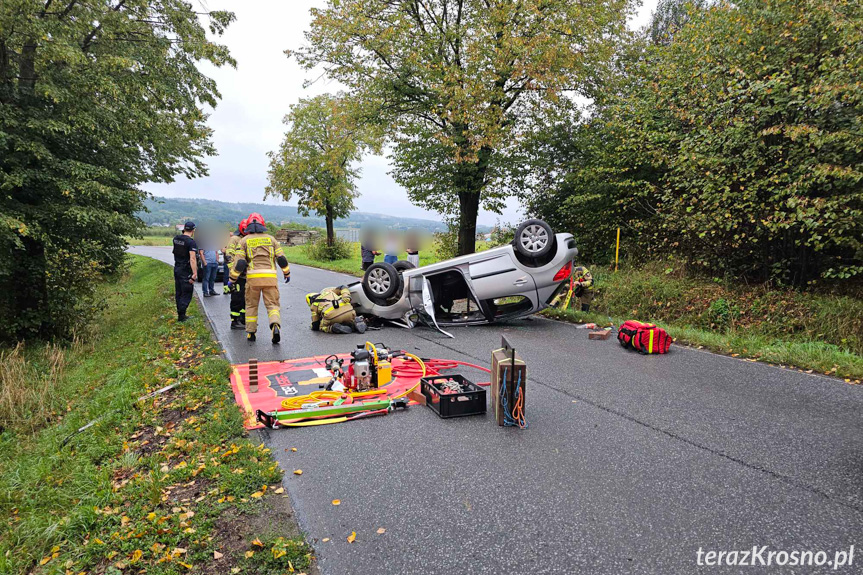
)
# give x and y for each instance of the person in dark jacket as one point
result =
(185, 269)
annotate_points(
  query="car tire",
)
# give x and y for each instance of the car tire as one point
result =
(381, 281)
(534, 239)
(403, 265)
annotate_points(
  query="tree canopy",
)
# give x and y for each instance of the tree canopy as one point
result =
(316, 161)
(96, 98)
(735, 143)
(452, 81)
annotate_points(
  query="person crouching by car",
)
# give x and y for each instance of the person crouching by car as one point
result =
(583, 287)
(332, 311)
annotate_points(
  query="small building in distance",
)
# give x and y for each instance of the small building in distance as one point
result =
(296, 237)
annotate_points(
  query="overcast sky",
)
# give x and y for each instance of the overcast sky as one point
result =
(256, 96)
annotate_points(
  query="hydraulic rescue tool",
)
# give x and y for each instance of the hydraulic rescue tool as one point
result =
(370, 368)
(352, 393)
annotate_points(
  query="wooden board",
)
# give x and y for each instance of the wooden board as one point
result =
(601, 334)
(502, 362)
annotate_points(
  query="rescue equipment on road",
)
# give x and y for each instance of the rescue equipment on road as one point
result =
(347, 386)
(645, 338)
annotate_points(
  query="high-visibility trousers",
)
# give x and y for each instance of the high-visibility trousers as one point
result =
(331, 315)
(238, 300)
(269, 289)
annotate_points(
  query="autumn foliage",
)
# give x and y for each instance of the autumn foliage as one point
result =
(732, 141)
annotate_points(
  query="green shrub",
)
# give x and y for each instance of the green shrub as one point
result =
(322, 251)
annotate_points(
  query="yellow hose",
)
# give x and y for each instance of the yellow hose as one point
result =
(319, 396)
(419, 361)
(315, 396)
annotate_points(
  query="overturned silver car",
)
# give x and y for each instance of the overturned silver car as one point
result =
(508, 282)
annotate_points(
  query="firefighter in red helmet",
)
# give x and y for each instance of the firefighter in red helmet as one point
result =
(258, 255)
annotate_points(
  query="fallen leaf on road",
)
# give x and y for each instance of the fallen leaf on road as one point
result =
(293, 449)
(325, 539)
(249, 554)
(217, 555)
(279, 490)
(257, 494)
(352, 537)
(381, 531)
(257, 542)
(298, 472)
(337, 501)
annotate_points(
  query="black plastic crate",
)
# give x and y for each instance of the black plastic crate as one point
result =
(469, 402)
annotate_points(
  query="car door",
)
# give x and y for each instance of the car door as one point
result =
(498, 278)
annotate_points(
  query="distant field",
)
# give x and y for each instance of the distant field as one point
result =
(150, 241)
(352, 265)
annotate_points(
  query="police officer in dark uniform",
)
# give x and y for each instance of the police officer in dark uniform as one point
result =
(185, 269)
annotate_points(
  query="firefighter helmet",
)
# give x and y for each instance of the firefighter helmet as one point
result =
(256, 217)
(243, 225)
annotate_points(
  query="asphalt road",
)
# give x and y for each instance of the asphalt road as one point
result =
(630, 464)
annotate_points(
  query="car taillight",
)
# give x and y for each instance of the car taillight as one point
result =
(563, 273)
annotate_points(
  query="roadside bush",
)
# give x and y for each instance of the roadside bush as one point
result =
(28, 383)
(446, 243)
(322, 251)
(777, 313)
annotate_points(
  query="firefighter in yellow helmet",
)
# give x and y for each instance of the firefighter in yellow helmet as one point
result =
(583, 287)
(332, 311)
(258, 254)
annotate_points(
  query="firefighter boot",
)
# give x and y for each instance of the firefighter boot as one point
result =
(277, 334)
(360, 324)
(237, 324)
(341, 328)
(250, 337)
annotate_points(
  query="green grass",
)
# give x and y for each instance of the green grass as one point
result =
(808, 331)
(351, 265)
(150, 486)
(150, 241)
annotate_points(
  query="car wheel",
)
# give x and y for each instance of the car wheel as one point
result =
(381, 281)
(403, 265)
(533, 239)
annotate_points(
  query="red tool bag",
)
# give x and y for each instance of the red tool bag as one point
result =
(645, 338)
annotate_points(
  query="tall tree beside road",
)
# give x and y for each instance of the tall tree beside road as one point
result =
(752, 115)
(96, 98)
(316, 160)
(451, 79)
(733, 140)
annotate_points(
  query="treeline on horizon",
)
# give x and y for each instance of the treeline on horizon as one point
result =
(160, 211)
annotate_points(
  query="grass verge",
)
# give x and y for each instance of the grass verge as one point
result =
(809, 357)
(165, 485)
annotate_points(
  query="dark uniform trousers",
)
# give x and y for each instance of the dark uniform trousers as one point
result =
(183, 289)
(238, 300)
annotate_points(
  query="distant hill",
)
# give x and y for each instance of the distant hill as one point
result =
(170, 211)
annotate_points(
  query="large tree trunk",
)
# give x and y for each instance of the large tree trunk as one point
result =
(469, 182)
(31, 304)
(468, 212)
(331, 233)
(27, 70)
